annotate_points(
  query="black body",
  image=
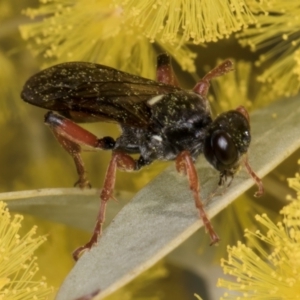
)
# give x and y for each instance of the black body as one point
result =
(158, 120)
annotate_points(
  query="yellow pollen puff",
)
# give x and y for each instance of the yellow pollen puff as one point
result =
(273, 275)
(17, 260)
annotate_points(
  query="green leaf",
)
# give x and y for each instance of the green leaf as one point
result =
(72, 206)
(162, 215)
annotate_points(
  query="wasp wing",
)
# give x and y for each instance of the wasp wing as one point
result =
(91, 92)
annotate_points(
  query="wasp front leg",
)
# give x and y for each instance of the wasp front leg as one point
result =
(203, 84)
(185, 165)
(256, 179)
(122, 161)
(72, 137)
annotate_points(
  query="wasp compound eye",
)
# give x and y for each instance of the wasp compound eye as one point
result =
(220, 150)
(224, 148)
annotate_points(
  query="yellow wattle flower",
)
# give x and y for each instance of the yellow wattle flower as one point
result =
(232, 90)
(196, 21)
(18, 267)
(97, 32)
(263, 274)
(276, 31)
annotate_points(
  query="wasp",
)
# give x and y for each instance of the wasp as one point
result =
(158, 121)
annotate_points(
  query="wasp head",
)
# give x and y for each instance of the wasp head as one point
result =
(227, 140)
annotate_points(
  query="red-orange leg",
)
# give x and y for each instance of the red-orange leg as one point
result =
(71, 136)
(119, 160)
(185, 165)
(256, 179)
(203, 85)
(90, 296)
(164, 70)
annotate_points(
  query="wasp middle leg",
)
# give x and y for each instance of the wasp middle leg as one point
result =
(122, 161)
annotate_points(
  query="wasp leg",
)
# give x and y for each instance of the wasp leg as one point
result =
(72, 137)
(203, 84)
(164, 70)
(121, 161)
(90, 296)
(257, 180)
(185, 165)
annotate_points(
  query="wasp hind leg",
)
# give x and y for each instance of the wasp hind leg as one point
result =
(72, 138)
